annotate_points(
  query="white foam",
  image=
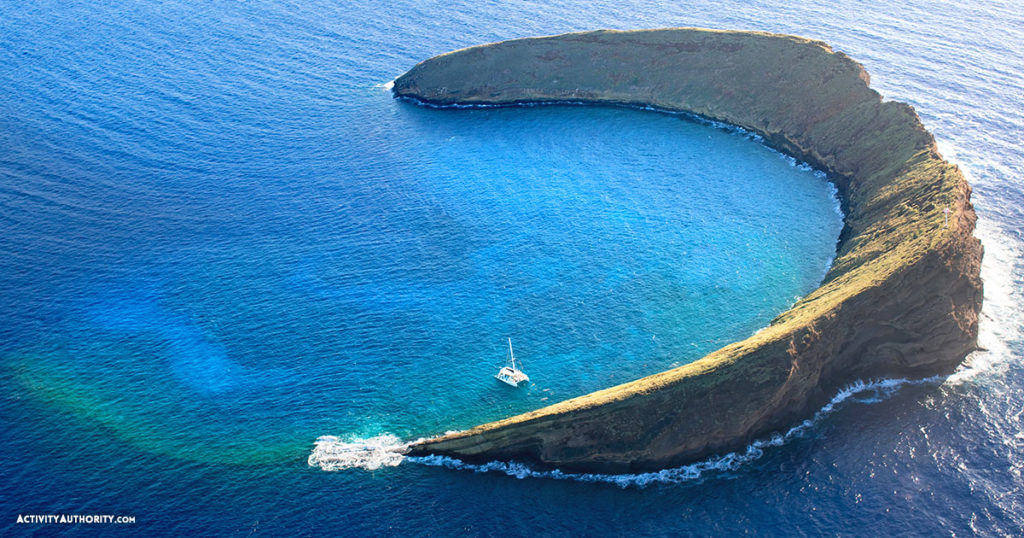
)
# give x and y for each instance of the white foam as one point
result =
(330, 453)
(1001, 322)
(859, 392)
(333, 454)
(1002, 317)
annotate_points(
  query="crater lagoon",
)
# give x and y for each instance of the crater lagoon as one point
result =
(223, 239)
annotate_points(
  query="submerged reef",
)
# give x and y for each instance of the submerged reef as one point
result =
(902, 297)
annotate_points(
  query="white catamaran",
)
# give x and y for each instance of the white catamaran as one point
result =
(509, 374)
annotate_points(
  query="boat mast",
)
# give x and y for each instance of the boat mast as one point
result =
(510, 354)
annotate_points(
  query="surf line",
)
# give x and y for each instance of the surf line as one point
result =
(331, 453)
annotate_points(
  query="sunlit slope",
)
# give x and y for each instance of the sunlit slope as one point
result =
(902, 297)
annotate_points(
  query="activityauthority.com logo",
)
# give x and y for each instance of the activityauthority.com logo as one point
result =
(75, 519)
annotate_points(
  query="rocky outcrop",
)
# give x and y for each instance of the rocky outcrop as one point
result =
(901, 299)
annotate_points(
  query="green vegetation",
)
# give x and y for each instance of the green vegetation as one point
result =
(902, 297)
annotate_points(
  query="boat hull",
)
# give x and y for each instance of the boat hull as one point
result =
(511, 377)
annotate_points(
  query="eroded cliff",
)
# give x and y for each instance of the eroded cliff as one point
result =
(901, 299)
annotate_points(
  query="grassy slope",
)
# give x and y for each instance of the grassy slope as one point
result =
(805, 100)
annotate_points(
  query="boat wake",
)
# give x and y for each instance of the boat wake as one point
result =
(332, 454)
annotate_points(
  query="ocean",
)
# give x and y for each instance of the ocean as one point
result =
(235, 273)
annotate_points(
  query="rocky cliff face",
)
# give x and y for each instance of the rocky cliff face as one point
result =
(901, 299)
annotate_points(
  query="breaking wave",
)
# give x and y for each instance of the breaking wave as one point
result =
(332, 454)
(859, 391)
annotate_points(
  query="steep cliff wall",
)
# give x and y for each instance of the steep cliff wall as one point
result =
(901, 299)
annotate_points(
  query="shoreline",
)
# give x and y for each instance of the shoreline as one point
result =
(901, 298)
(688, 115)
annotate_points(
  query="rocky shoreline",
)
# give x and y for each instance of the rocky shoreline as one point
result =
(901, 299)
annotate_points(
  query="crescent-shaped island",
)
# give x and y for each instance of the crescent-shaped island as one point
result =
(901, 299)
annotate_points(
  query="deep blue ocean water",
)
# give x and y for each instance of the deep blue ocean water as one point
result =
(222, 241)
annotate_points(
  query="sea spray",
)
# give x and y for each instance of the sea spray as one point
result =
(330, 453)
(858, 391)
(1001, 323)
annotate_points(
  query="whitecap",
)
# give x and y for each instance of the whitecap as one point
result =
(331, 453)
(386, 450)
(859, 391)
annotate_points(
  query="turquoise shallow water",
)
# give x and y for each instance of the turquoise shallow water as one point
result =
(223, 239)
